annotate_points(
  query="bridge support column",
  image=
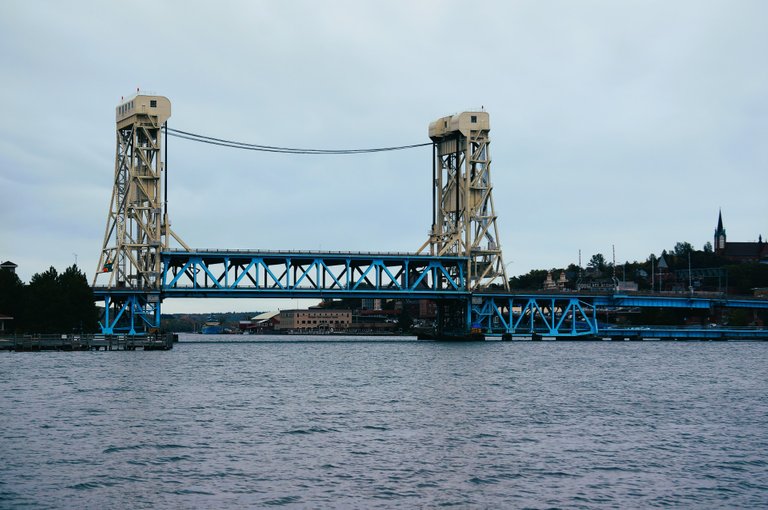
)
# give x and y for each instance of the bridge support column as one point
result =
(560, 316)
(129, 313)
(453, 317)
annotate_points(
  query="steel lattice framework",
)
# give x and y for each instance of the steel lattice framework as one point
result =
(570, 316)
(463, 213)
(137, 228)
(311, 274)
(262, 274)
(128, 311)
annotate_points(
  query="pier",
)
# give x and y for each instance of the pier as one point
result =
(80, 342)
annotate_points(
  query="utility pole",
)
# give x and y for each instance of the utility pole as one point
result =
(690, 281)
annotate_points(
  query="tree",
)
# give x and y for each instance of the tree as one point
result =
(708, 247)
(597, 262)
(79, 311)
(58, 303)
(682, 249)
(534, 280)
(43, 303)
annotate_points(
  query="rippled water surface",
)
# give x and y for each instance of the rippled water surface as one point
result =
(379, 424)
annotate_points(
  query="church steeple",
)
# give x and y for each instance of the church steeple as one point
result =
(720, 234)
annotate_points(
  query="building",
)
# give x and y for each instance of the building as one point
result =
(263, 323)
(3, 320)
(9, 266)
(551, 284)
(6, 266)
(427, 309)
(314, 319)
(739, 252)
(371, 304)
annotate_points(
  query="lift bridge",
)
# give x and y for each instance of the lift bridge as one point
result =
(460, 265)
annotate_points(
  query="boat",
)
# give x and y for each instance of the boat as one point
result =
(212, 326)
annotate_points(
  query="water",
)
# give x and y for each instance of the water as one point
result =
(345, 423)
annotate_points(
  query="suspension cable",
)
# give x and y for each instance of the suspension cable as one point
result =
(283, 150)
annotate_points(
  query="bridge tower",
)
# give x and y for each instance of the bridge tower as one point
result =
(463, 215)
(137, 223)
(129, 275)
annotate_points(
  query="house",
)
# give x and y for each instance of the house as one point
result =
(263, 323)
(8, 265)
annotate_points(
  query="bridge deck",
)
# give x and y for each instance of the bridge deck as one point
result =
(639, 299)
(296, 274)
(209, 273)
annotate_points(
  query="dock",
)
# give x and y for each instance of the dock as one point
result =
(86, 342)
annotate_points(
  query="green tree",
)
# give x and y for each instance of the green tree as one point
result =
(58, 303)
(533, 280)
(682, 249)
(79, 311)
(43, 301)
(597, 262)
(742, 278)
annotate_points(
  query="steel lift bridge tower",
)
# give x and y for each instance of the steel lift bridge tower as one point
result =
(138, 228)
(463, 214)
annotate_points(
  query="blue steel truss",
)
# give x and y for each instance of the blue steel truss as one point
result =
(308, 274)
(240, 274)
(404, 276)
(128, 311)
(571, 315)
(561, 316)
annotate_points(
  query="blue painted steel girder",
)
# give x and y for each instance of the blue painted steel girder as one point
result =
(340, 275)
(652, 301)
(640, 300)
(309, 274)
(761, 304)
(572, 315)
(560, 316)
(647, 301)
(128, 311)
(685, 332)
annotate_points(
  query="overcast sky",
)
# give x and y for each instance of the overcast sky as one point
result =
(624, 123)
